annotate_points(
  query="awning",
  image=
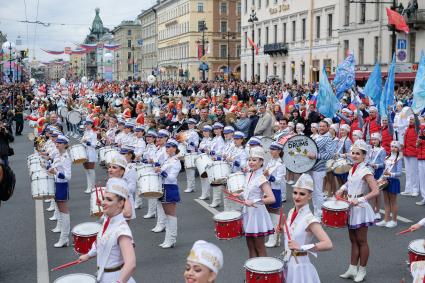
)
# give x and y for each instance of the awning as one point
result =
(399, 77)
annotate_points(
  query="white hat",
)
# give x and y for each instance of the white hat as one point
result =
(373, 108)
(305, 182)
(256, 152)
(206, 254)
(358, 133)
(345, 127)
(300, 126)
(117, 186)
(396, 144)
(314, 125)
(347, 111)
(335, 127)
(360, 144)
(376, 136)
(119, 160)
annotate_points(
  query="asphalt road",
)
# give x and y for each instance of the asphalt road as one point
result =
(19, 257)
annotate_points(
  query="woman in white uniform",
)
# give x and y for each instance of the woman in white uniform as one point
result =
(116, 258)
(191, 142)
(303, 228)
(89, 140)
(130, 176)
(361, 187)
(216, 148)
(204, 147)
(149, 154)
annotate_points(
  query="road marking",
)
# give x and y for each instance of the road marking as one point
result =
(42, 262)
(207, 207)
(401, 218)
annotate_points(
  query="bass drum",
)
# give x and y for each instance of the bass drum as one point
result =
(295, 152)
(74, 117)
(63, 112)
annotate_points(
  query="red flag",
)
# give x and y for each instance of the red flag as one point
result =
(253, 45)
(397, 20)
(199, 51)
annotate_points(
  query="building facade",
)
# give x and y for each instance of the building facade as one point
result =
(296, 39)
(77, 66)
(149, 61)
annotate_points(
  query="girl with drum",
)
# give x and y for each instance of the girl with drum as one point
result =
(89, 139)
(130, 176)
(139, 142)
(275, 172)
(128, 138)
(392, 174)
(112, 129)
(148, 154)
(304, 227)
(343, 149)
(116, 258)
(237, 157)
(204, 147)
(192, 142)
(169, 171)
(61, 169)
(258, 193)
(203, 263)
(216, 148)
(360, 186)
(120, 134)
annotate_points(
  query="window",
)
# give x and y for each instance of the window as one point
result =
(283, 72)
(259, 7)
(412, 47)
(129, 43)
(330, 20)
(223, 26)
(362, 12)
(274, 70)
(245, 39)
(293, 30)
(259, 37)
(284, 32)
(259, 71)
(223, 51)
(376, 49)
(318, 27)
(129, 32)
(266, 68)
(347, 12)
(238, 8)
(361, 51)
(327, 63)
(200, 7)
(346, 47)
(200, 26)
(303, 33)
(223, 8)
(238, 51)
(238, 27)
(128, 67)
(245, 72)
(267, 35)
(275, 33)
(377, 5)
(129, 55)
(267, 3)
(246, 9)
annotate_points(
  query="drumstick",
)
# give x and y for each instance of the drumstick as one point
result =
(286, 227)
(343, 199)
(404, 232)
(66, 265)
(238, 200)
(229, 193)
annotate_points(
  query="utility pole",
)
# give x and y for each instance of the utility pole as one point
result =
(204, 28)
(252, 19)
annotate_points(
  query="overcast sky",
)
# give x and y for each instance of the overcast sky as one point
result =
(70, 21)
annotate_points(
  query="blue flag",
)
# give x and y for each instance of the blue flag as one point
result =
(345, 76)
(373, 86)
(327, 103)
(387, 96)
(419, 88)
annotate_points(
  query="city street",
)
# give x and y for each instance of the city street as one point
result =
(26, 234)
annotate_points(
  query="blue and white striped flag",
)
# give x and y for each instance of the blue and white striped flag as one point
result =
(419, 88)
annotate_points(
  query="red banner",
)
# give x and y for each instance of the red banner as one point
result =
(68, 50)
(397, 20)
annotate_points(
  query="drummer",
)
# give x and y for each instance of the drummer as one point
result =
(343, 151)
(120, 134)
(376, 161)
(226, 151)
(237, 157)
(169, 170)
(130, 176)
(128, 138)
(116, 258)
(139, 142)
(191, 143)
(112, 129)
(303, 227)
(61, 169)
(275, 172)
(360, 186)
(149, 153)
(204, 147)
(203, 263)
(89, 140)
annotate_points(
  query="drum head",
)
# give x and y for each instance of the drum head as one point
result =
(295, 154)
(336, 205)
(227, 216)
(74, 117)
(87, 228)
(77, 277)
(417, 246)
(264, 264)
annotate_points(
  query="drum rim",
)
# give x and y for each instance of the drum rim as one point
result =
(264, 272)
(69, 275)
(87, 235)
(228, 220)
(315, 145)
(336, 209)
(412, 250)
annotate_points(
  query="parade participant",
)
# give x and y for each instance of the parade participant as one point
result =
(314, 130)
(116, 258)
(361, 187)
(120, 134)
(372, 124)
(303, 227)
(258, 193)
(216, 148)
(410, 159)
(61, 169)
(420, 144)
(139, 143)
(191, 142)
(400, 124)
(343, 149)
(112, 129)
(204, 147)
(275, 172)
(169, 170)
(89, 140)
(238, 156)
(326, 149)
(149, 154)
(392, 172)
(386, 134)
(376, 162)
(128, 138)
(130, 176)
(203, 263)
(299, 128)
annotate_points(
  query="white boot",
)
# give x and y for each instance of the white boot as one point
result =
(161, 220)
(272, 242)
(216, 196)
(151, 209)
(52, 206)
(139, 202)
(350, 273)
(88, 188)
(361, 274)
(190, 177)
(57, 229)
(91, 181)
(170, 233)
(205, 185)
(227, 204)
(55, 215)
(48, 200)
(65, 227)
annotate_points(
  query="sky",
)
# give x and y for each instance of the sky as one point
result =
(69, 21)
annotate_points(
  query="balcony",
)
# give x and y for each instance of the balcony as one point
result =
(276, 49)
(416, 20)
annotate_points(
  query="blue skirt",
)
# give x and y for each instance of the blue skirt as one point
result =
(62, 191)
(171, 194)
(393, 186)
(278, 196)
(342, 177)
(378, 173)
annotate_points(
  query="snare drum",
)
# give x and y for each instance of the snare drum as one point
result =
(201, 162)
(84, 235)
(189, 160)
(78, 154)
(182, 151)
(76, 277)
(42, 185)
(109, 154)
(341, 166)
(36, 165)
(103, 151)
(263, 269)
(382, 183)
(228, 225)
(335, 213)
(218, 172)
(329, 165)
(416, 250)
(143, 169)
(150, 185)
(236, 182)
(96, 198)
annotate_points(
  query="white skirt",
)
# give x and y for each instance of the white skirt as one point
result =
(361, 216)
(257, 221)
(91, 154)
(108, 277)
(301, 272)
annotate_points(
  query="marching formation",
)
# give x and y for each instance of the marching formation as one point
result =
(245, 152)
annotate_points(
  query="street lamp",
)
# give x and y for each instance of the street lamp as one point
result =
(132, 56)
(227, 36)
(9, 47)
(252, 19)
(203, 29)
